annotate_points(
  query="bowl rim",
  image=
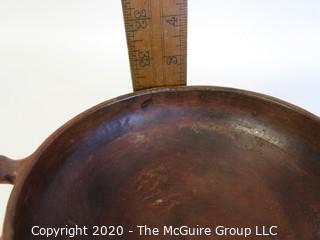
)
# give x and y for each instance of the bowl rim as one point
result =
(8, 231)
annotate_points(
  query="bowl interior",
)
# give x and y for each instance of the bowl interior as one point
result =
(191, 157)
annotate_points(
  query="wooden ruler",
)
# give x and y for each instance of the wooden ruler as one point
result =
(157, 42)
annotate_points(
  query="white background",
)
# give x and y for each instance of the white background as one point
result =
(58, 58)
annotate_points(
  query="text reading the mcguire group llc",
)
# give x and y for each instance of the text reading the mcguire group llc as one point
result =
(144, 230)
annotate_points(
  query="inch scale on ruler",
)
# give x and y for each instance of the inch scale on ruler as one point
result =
(156, 33)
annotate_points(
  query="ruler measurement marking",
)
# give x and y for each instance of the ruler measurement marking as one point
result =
(172, 15)
(150, 34)
(156, 32)
(137, 19)
(162, 43)
(183, 8)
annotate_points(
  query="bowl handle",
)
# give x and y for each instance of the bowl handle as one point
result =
(8, 169)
